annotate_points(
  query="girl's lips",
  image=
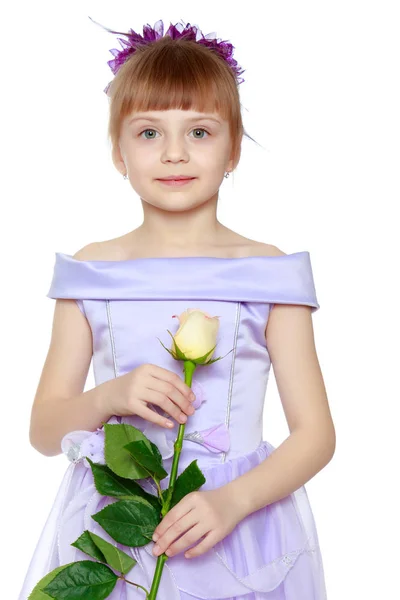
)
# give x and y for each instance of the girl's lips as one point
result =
(176, 182)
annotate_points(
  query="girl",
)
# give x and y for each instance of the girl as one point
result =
(248, 533)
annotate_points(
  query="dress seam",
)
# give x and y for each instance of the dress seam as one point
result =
(230, 387)
(112, 338)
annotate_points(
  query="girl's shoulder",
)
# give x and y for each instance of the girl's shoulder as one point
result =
(124, 248)
(106, 250)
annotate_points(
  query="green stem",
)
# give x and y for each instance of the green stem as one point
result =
(136, 585)
(156, 481)
(189, 368)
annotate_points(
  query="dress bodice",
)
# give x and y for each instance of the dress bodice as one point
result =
(130, 304)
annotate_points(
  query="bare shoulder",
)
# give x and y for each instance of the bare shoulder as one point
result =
(292, 317)
(266, 250)
(87, 252)
(107, 250)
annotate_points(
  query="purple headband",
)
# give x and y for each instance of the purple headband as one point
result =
(177, 31)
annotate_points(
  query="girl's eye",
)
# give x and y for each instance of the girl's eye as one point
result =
(198, 129)
(148, 130)
(153, 136)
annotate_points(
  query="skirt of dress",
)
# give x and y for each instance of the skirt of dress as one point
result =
(272, 554)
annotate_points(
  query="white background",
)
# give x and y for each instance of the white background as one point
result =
(321, 97)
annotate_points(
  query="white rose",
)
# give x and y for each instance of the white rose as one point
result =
(197, 334)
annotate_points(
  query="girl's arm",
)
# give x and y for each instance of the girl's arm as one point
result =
(312, 440)
(60, 405)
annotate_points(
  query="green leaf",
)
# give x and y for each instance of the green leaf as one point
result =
(109, 483)
(190, 480)
(82, 579)
(96, 546)
(117, 458)
(37, 593)
(86, 544)
(156, 452)
(129, 522)
(145, 457)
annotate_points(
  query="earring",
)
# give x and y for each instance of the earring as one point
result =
(125, 176)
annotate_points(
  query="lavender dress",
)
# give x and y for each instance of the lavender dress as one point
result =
(273, 553)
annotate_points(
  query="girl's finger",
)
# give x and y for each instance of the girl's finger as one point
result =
(200, 548)
(190, 537)
(180, 527)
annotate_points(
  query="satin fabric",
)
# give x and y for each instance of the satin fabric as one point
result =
(272, 554)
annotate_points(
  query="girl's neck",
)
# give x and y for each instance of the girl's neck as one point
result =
(214, 235)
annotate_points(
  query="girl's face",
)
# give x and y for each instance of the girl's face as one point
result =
(156, 144)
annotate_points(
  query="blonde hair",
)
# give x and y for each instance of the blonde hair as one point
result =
(176, 74)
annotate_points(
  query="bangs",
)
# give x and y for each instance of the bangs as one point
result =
(163, 92)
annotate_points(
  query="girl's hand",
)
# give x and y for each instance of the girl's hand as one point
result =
(210, 513)
(146, 385)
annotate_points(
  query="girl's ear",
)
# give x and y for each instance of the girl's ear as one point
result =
(117, 159)
(231, 166)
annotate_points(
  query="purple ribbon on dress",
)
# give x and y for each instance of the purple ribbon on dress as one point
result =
(215, 439)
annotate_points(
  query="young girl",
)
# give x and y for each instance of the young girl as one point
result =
(175, 113)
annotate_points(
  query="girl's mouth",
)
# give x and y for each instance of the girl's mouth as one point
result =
(176, 182)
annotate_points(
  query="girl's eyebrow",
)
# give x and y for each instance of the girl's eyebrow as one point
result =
(155, 119)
